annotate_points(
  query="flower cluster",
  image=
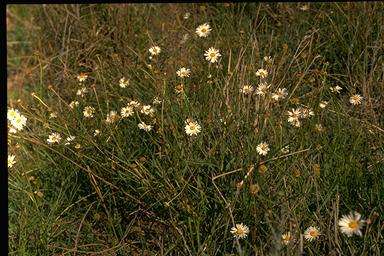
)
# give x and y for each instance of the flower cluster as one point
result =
(16, 121)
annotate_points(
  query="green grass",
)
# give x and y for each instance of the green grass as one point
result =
(131, 192)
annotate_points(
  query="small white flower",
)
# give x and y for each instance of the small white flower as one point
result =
(281, 93)
(183, 72)
(112, 117)
(74, 104)
(286, 238)
(96, 133)
(262, 149)
(123, 82)
(54, 138)
(351, 224)
(262, 89)
(155, 50)
(203, 30)
(355, 99)
(69, 140)
(134, 103)
(12, 114)
(192, 128)
(19, 122)
(336, 89)
(247, 89)
(88, 111)
(240, 231)
(126, 111)
(268, 59)
(147, 110)
(11, 160)
(82, 77)
(294, 115)
(262, 73)
(212, 55)
(145, 127)
(311, 233)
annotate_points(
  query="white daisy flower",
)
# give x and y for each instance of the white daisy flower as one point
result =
(286, 238)
(126, 111)
(183, 72)
(262, 73)
(203, 30)
(11, 160)
(240, 231)
(351, 224)
(192, 128)
(123, 82)
(54, 138)
(81, 92)
(311, 233)
(355, 99)
(212, 55)
(145, 127)
(336, 89)
(247, 89)
(281, 93)
(12, 114)
(19, 122)
(112, 116)
(82, 77)
(262, 148)
(262, 89)
(74, 104)
(155, 50)
(88, 111)
(147, 110)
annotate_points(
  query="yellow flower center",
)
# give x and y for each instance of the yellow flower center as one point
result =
(239, 231)
(212, 54)
(353, 224)
(203, 30)
(313, 233)
(192, 127)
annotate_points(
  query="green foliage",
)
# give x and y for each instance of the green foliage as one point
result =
(127, 191)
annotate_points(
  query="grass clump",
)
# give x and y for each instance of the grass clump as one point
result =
(122, 155)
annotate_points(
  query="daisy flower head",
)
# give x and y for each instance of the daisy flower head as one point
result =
(355, 99)
(19, 122)
(286, 238)
(336, 89)
(192, 127)
(351, 224)
(294, 115)
(123, 82)
(145, 127)
(306, 112)
(262, 89)
(69, 140)
(281, 93)
(82, 77)
(88, 111)
(12, 114)
(262, 73)
(74, 104)
(262, 149)
(247, 89)
(240, 231)
(212, 55)
(179, 88)
(112, 117)
(126, 111)
(155, 50)
(311, 233)
(203, 30)
(183, 72)
(147, 110)
(134, 103)
(54, 138)
(11, 160)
